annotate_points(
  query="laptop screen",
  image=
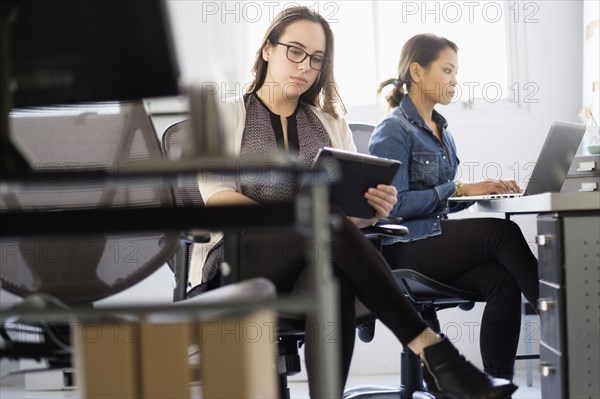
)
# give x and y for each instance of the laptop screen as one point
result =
(555, 158)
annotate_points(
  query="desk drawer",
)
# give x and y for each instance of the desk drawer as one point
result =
(581, 184)
(551, 310)
(552, 380)
(550, 252)
(585, 165)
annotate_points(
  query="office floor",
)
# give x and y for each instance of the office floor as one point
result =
(299, 389)
(13, 387)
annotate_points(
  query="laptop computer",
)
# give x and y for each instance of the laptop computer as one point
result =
(552, 165)
(352, 175)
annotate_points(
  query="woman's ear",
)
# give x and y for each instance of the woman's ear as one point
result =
(416, 72)
(266, 51)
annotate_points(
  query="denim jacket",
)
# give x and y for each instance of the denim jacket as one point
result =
(426, 177)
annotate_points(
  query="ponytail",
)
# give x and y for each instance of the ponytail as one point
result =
(393, 98)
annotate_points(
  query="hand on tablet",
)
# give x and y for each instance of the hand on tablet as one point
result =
(382, 198)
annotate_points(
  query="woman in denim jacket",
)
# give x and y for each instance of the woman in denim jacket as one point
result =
(485, 255)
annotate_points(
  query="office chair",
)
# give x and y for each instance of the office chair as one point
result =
(291, 329)
(427, 297)
(175, 141)
(65, 271)
(69, 271)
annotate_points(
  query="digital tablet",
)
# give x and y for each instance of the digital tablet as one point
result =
(352, 175)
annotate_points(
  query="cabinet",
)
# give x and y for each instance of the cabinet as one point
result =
(584, 174)
(568, 228)
(569, 304)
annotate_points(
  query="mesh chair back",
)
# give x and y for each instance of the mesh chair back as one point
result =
(176, 140)
(362, 134)
(84, 269)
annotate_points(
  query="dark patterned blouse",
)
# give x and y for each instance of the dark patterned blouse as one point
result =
(263, 133)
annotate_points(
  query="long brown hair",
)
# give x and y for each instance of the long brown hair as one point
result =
(423, 49)
(323, 93)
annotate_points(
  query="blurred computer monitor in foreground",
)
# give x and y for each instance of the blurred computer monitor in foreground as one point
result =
(70, 51)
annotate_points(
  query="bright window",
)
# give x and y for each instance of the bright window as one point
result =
(477, 28)
(370, 34)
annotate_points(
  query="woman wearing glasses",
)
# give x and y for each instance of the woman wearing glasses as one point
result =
(488, 256)
(293, 106)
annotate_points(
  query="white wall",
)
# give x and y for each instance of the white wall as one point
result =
(591, 72)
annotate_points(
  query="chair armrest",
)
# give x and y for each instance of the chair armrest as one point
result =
(389, 230)
(180, 267)
(391, 219)
(195, 236)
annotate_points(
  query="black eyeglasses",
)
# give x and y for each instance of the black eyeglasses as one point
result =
(297, 55)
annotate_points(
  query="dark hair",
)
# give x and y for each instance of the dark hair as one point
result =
(423, 49)
(323, 93)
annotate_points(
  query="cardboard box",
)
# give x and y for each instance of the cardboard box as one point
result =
(165, 371)
(106, 359)
(238, 356)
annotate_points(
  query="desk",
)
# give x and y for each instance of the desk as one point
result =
(568, 238)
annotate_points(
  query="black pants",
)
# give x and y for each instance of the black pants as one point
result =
(361, 271)
(487, 256)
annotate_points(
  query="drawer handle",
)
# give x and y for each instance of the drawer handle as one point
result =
(588, 186)
(545, 304)
(543, 240)
(547, 370)
(586, 166)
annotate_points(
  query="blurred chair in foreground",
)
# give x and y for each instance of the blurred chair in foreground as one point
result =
(60, 272)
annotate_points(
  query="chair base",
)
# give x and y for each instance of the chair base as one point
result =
(284, 390)
(380, 392)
